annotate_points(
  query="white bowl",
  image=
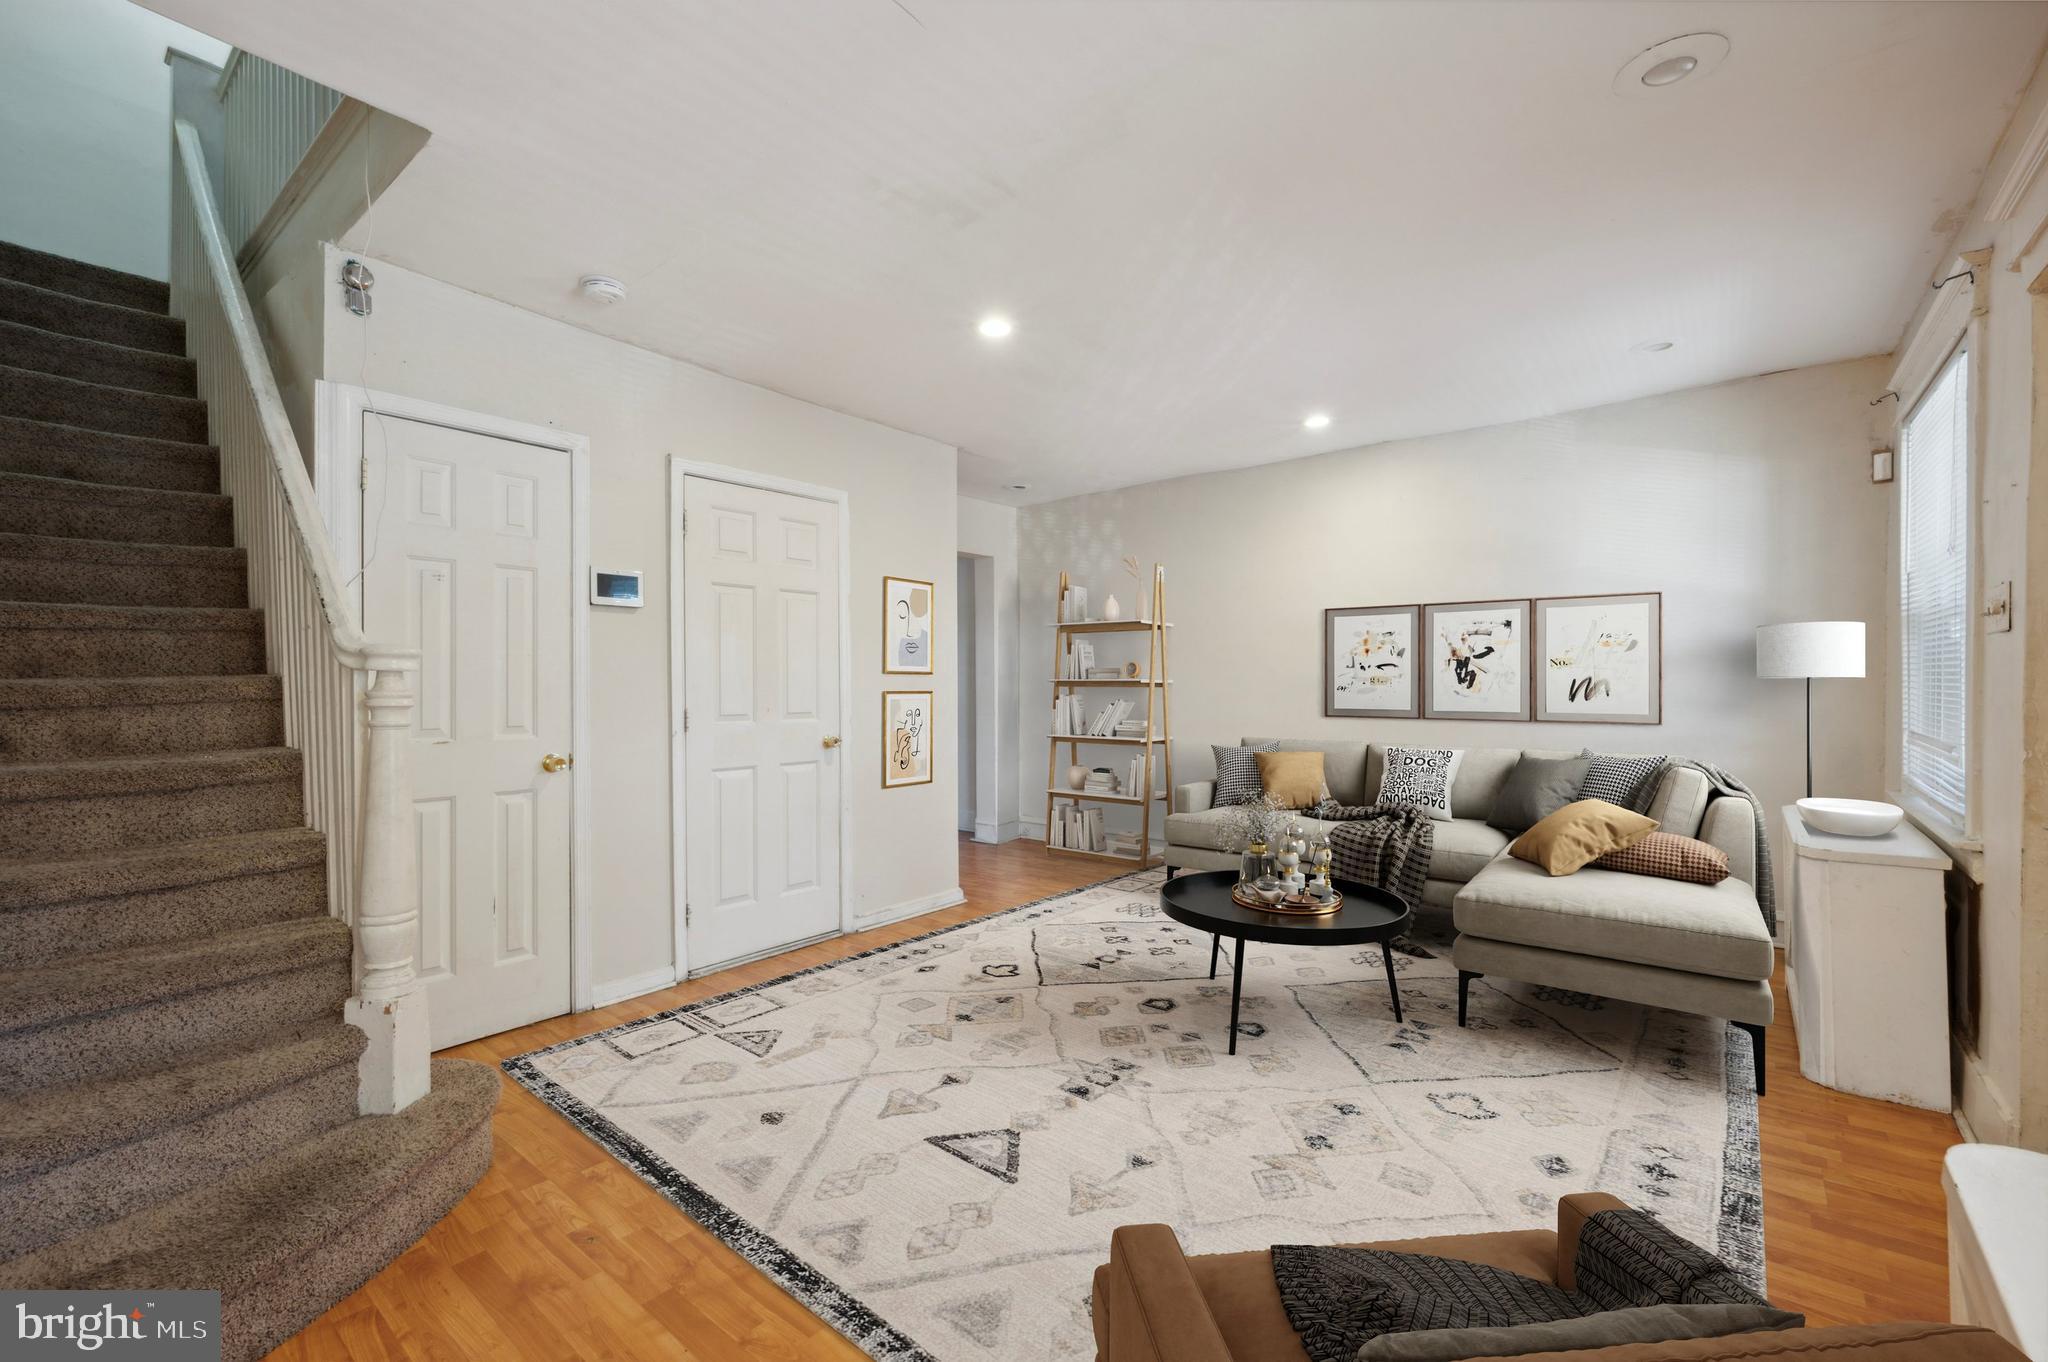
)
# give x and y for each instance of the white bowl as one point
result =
(1850, 817)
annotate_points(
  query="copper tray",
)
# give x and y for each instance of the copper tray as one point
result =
(1294, 906)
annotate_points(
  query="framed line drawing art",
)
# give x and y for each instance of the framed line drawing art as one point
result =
(907, 615)
(1369, 662)
(1478, 655)
(1600, 659)
(906, 738)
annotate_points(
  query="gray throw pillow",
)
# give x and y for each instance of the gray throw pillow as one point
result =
(1237, 774)
(1628, 781)
(1537, 788)
(1609, 1328)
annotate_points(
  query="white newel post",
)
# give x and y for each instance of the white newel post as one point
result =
(390, 1006)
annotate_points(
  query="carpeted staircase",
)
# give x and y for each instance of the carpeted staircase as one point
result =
(179, 1087)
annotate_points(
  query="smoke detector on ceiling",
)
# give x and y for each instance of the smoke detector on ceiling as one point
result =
(601, 288)
(1669, 63)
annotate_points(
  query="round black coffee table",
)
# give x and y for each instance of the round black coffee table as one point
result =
(1202, 900)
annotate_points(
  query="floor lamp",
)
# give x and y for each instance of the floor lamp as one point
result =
(1804, 651)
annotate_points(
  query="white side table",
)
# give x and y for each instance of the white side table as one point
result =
(1998, 1242)
(1867, 963)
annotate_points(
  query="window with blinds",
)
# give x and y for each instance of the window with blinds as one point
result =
(1934, 591)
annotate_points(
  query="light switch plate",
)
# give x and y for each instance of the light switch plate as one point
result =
(1998, 609)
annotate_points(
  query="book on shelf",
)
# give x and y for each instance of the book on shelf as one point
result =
(1074, 605)
(1077, 829)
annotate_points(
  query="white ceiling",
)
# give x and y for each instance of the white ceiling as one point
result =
(1207, 218)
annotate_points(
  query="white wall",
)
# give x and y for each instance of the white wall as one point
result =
(430, 340)
(1747, 503)
(85, 98)
(990, 532)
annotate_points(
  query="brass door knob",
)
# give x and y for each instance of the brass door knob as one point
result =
(832, 741)
(554, 762)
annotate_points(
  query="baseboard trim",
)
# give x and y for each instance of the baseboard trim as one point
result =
(620, 990)
(882, 917)
(1980, 1112)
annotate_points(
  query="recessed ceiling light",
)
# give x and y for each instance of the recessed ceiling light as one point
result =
(995, 327)
(1668, 63)
(1316, 420)
(1653, 347)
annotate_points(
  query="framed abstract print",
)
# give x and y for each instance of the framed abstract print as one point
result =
(1369, 662)
(1600, 659)
(907, 632)
(906, 738)
(1478, 660)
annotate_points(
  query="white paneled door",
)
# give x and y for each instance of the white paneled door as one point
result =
(761, 720)
(467, 542)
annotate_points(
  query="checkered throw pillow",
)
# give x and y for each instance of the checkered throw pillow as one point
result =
(1668, 856)
(1628, 781)
(1237, 774)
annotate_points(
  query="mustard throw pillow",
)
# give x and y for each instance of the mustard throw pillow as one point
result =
(1579, 834)
(1294, 780)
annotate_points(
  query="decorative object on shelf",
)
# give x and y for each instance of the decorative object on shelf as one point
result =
(907, 616)
(1802, 651)
(1849, 817)
(1138, 718)
(1478, 655)
(1111, 609)
(1600, 659)
(1369, 657)
(906, 738)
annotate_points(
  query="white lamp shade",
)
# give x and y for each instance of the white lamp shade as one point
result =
(1810, 648)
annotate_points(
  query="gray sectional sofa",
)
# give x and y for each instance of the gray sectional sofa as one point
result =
(1664, 943)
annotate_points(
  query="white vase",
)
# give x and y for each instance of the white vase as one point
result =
(1110, 609)
(1077, 776)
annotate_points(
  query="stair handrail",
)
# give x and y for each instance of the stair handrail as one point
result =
(348, 700)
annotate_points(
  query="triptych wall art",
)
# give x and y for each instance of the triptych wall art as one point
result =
(909, 636)
(1569, 659)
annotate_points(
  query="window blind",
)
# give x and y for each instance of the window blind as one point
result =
(1934, 591)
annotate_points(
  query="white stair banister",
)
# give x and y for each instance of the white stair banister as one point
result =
(347, 702)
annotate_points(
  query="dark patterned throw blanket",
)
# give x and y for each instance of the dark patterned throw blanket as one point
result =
(1388, 845)
(1338, 1298)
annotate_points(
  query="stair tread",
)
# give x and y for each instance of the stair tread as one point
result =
(109, 981)
(38, 348)
(51, 1127)
(79, 692)
(237, 1232)
(147, 869)
(123, 551)
(18, 430)
(183, 401)
(94, 283)
(107, 493)
(92, 314)
(156, 772)
(92, 615)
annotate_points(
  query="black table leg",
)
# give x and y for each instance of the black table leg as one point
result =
(1236, 992)
(1393, 989)
(1215, 945)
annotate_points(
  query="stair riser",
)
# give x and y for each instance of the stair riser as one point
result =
(45, 397)
(71, 316)
(91, 361)
(59, 827)
(130, 652)
(38, 936)
(279, 1304)
(75, 732)
(138, 1038)
(172, 521)
(115, 1182)
(81, 280)
(70, 581)
(96, 456)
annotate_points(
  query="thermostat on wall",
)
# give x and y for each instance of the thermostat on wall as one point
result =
(614, 588)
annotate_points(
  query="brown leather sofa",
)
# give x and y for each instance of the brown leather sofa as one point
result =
(1153, 1303)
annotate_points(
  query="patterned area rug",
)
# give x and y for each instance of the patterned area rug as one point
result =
(928, 1145)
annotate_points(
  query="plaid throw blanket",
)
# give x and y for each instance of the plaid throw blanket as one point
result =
(1387, 845)
(1724, 784)
(1337, 1298)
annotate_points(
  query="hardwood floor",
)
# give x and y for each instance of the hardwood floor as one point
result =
(561, 1253)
